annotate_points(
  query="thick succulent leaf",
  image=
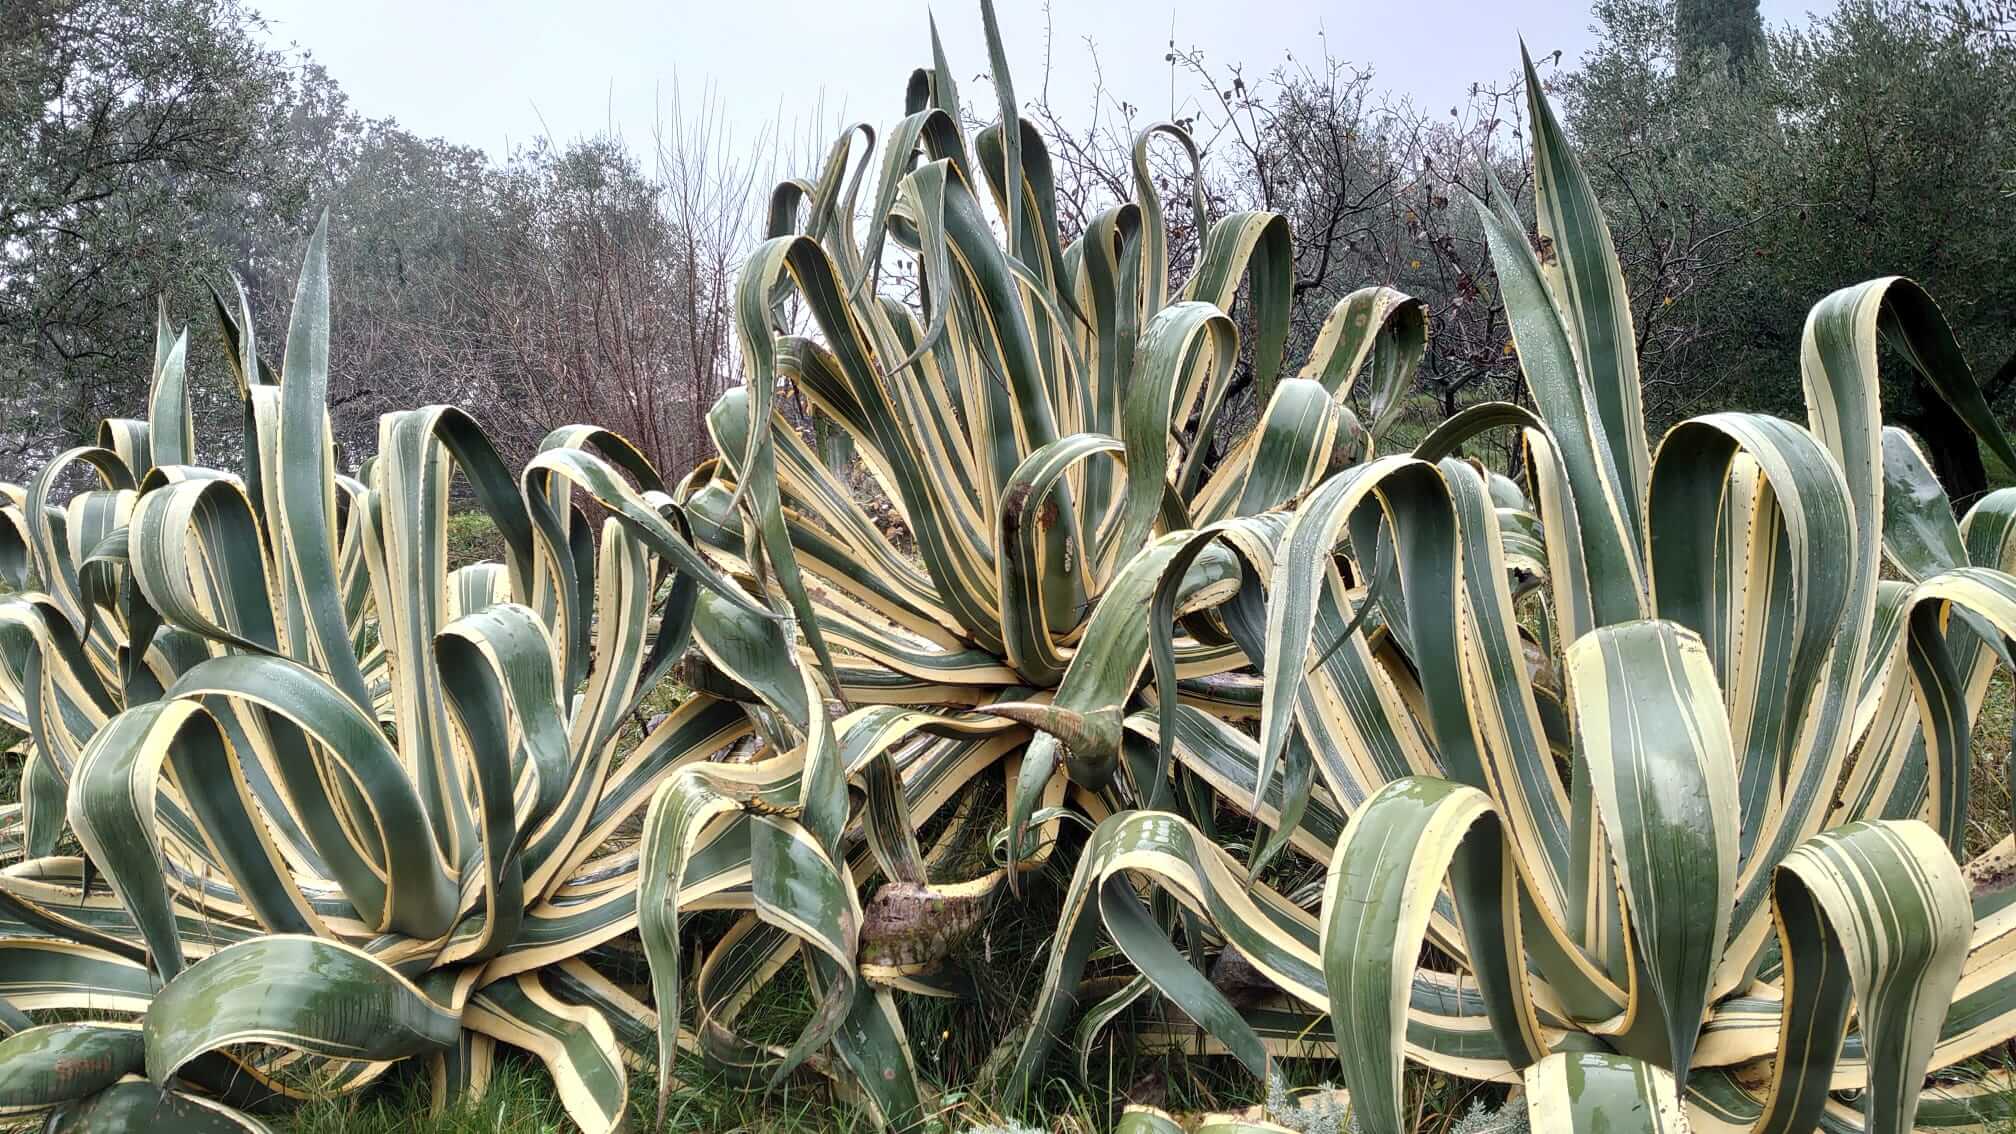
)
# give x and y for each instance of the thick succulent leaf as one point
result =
(58, 974)
(408, 506)
(246, 831)
(1877, 911)
(573, 1041)
(933, 129)
(1501, 698)
(930, 478)
(1945, 706)
(112, 808)
(302, 993)
(462, 1073)
(495, 671)
(1291, 451)
(1920, 537)
(1028, 509)
(43, 797)
(1839, 369)
(1082, 722)
(1653, 740)
(306, 522)
(1747, 514)
(1038, 244)
(680, 812)
(1249, 248)
(56, 1063)
(198, 557)
(171, 430)
(1547, 356)
(1415, 496)
(1448, 437)
(1174, 345)
(1376, 334)
(638, 512)
(1569, 408)
(1011, 140)
(797, 887)
(1012, 408)
(801, 889)
(1588, 1092)
(1202, 876)
(760, 474)
(1154, 263)
(1582, 271)
(1381, 888)
(241, 337)
(1104, 267)
(1138, 1119)
(135, 1105)
(54, 557)
(394, 879)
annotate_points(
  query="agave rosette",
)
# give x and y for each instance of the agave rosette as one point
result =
(1708, 842)
(1639, 741)
(339, 806)
(1040, 419)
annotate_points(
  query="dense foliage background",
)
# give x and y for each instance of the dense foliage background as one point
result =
(151, 147)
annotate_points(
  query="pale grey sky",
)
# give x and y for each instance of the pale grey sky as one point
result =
(499, 73)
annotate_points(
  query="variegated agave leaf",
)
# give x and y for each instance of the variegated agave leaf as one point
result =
(1721, 843)
(1633, 736)
(338, 805)
(1044, 425)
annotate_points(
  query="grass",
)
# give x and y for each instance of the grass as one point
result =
(1988, 806)
(520, 1100)
(473, 538)
(10, 765)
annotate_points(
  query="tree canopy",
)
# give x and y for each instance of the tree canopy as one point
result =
(150, 149)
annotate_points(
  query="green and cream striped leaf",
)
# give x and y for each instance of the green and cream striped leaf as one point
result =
(304, 479)
(574, 1041)
(1653, 744)
(1381, 889)
(303, 993)
(1588, 285)
(1376, 334)
(1877, 912)
(135, 1104)
(1588, 1092)
(43, 1066)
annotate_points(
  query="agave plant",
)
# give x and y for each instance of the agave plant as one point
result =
(1634, 774)
(338, 805)
(1720, 839)
(1749, 730)
(1005, 625)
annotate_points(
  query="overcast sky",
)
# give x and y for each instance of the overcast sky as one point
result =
(500, 73)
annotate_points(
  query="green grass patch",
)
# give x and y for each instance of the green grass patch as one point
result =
(473, 538)
(521, 1100)
(1990, 800)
